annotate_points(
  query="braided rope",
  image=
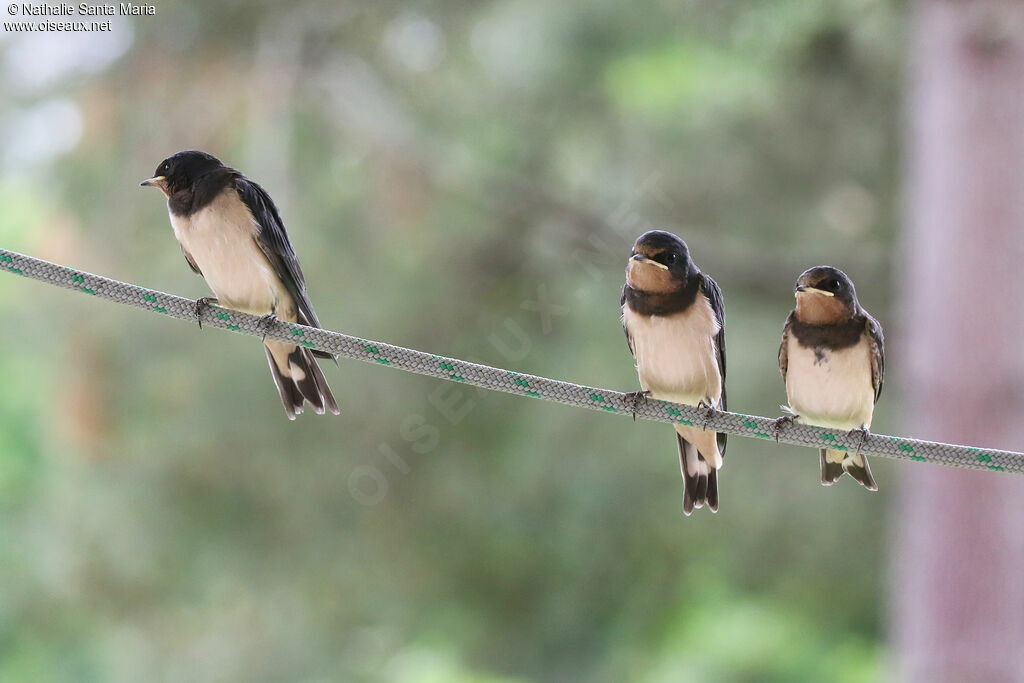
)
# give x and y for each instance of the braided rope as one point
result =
(497, 379)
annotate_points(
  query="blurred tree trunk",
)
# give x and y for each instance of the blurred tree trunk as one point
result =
(959, 553)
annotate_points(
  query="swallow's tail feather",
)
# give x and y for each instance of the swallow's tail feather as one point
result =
(713, 490)
(298, 378)
(700, 479)
(317, 353)
(857, 467)
(831, 466)
(835, 462)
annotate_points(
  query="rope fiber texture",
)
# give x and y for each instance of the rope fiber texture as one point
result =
(455, 370)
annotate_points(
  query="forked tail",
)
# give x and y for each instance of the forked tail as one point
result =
(298, 378)
(835, 462)
(700, 479)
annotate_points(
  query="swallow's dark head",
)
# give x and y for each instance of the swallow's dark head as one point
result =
(660, 263)
(182, 170)
(825, 295)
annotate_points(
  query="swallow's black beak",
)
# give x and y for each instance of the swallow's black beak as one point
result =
(804, 289)
(640, 258)
(159, 182)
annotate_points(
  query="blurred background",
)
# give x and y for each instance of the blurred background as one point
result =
(467, 179)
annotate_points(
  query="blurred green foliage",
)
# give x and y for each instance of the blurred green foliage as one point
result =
(439, 165)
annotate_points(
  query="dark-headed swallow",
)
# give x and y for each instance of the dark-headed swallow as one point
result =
(231, 234)
(674, 319)
(832, 359)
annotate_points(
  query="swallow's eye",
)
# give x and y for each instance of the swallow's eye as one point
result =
(833, 284)
(670, 259)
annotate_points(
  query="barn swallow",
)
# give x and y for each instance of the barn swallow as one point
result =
(674, 319)
(832, 359)
(231, 234)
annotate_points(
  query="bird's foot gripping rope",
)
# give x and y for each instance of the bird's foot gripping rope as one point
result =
(709, 409)
(633, 398)
(267, 322)
(862, 432)
(497, 379)
(202, 303)
(779, 422)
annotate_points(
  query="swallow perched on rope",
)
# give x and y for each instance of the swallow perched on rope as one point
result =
(674, 318)
(231, 234)
(832, 359)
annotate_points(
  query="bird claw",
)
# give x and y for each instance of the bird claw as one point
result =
(779, 422)
(864, 434)
(635, 398)
(265, 322)
(709, 411)
(202, 303)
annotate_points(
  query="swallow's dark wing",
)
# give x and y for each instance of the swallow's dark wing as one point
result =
(191, 263)
(273, 241)
(784, 347)
(876, 346)
(715, 299)
(629, 339)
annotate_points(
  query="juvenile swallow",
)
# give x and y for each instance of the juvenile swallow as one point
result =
(231, 234)
(674, 319)
(832, 359)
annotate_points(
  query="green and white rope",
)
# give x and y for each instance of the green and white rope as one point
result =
(456, 370)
